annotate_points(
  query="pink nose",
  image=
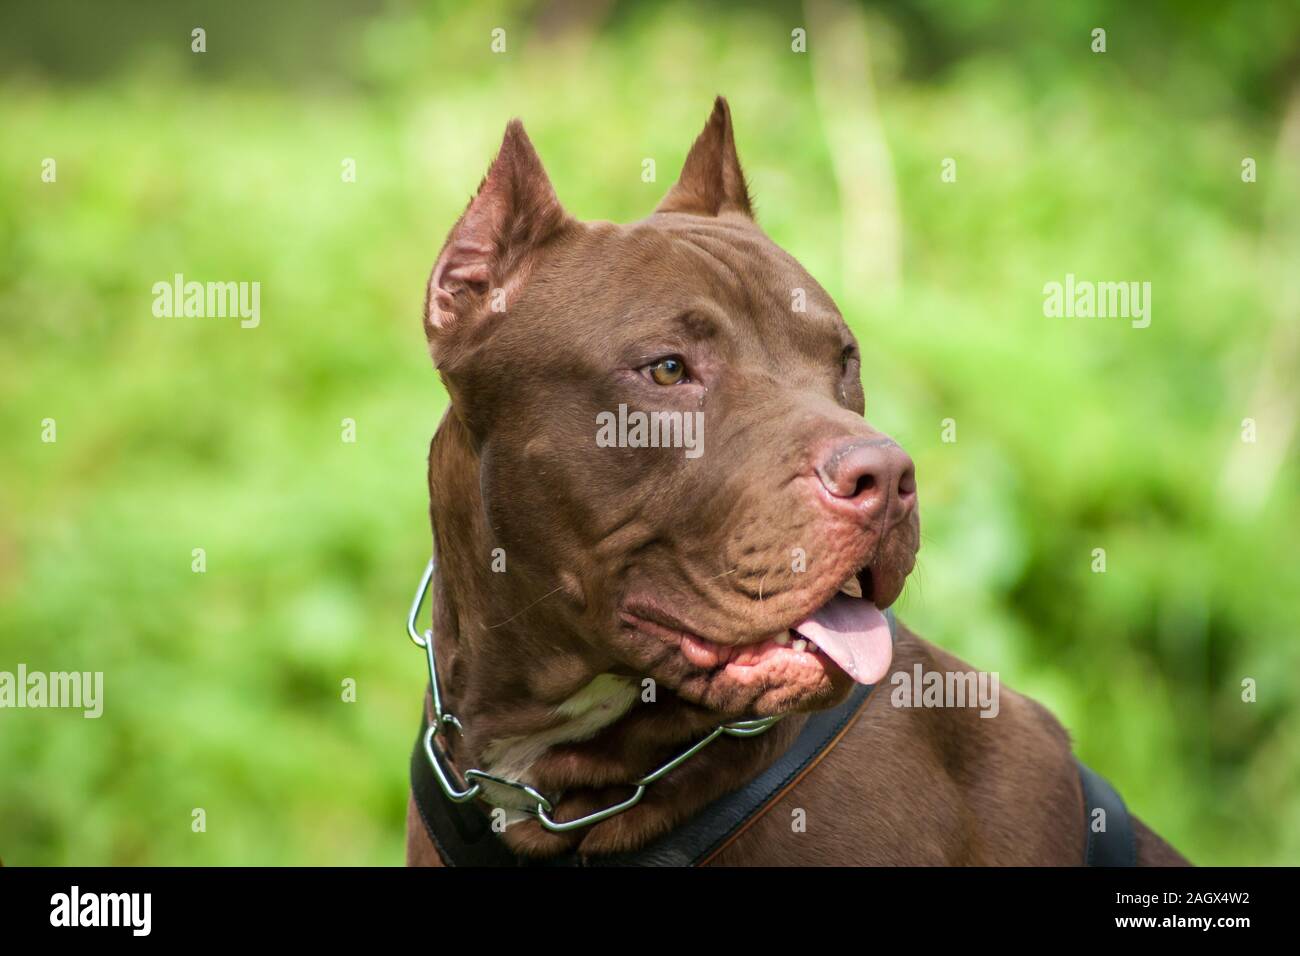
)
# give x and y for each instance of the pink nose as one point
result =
(870, 474)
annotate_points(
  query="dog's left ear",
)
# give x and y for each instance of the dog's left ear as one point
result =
(712, 182)
(488, 253)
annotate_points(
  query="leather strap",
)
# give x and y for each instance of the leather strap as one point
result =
(1114, 845)
(463, 835)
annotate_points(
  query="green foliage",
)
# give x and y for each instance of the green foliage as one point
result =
(223, 689)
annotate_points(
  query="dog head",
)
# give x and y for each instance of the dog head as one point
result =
(665, 425)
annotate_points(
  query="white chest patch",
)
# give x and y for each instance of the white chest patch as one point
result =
(590, 710)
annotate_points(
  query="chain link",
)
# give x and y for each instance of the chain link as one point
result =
(541, 807)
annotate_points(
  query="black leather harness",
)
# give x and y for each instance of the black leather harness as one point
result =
(463, 835)
(1113, 844)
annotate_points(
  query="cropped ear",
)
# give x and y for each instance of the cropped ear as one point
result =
(486, 257)
(711, 182)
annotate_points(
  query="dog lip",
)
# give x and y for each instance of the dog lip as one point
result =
(713, 656)
(645, 617)
(637, 613)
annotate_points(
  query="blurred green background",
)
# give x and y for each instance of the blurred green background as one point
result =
(223, 689)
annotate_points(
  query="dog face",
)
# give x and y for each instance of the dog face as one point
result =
(742, 562)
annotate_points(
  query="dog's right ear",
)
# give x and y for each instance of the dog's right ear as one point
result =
(486, 257)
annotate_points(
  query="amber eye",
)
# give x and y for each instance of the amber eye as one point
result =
(668, 371)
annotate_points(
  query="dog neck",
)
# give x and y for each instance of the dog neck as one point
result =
(541, 705)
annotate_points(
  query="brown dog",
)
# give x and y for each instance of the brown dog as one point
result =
(601, 602)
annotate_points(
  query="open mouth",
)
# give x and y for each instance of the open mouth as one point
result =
(848, 633)
(851, 631)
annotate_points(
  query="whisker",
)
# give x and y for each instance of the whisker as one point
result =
(492, 627)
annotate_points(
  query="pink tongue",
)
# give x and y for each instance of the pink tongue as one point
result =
(854, 634)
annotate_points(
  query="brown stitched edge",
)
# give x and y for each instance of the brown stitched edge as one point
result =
(848, 725)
